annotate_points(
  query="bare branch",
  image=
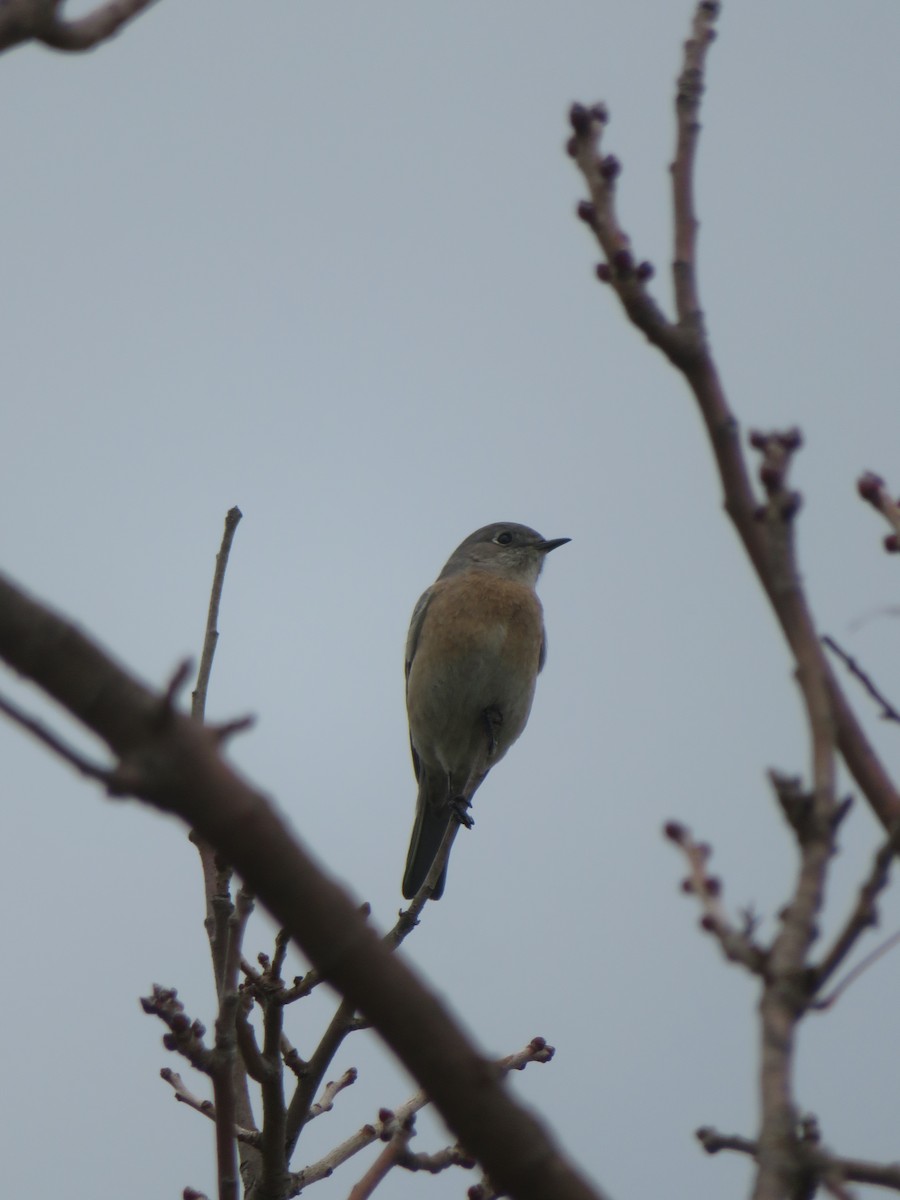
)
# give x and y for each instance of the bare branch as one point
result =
(537, 1050)
(224, 1058)
(300, 1108)
(39, 20)
(628, 279)
(185, 1036)
(864, 916)
(211, 637)
(859, 969)
(687, 111)
(685, 345)
(828, 1168)
(393, 1152)
(873, 489)
(325, 1103)
(737, 944)
(434, 1164)
(206, 1107)
(888, 712)
(408, 918)
(55, 743)
(274, 1124)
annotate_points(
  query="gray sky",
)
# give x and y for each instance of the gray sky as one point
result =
(320, 261)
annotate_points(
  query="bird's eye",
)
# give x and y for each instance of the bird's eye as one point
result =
(503, 539)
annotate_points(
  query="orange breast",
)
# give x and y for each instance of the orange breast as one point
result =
(478, 649)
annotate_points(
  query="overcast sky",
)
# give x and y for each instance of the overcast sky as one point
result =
(320, 261)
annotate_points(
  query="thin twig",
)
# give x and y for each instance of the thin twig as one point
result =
(851, 1170)
(434, 1164)
(274, 1122)
(737, 945)
(537, 1051)
(860, 969)
(873, 489)
(863, 916)
(300, 1107)
(184, 1095)
(393, 1152)
(408, 918)
(55, 743)
(687, 107)
(888, 712)
(225, 1055)
(325, 1103)
(211, 637)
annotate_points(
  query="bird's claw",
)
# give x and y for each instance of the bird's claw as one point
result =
(460, 808)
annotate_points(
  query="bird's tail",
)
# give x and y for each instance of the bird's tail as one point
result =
(427, 835)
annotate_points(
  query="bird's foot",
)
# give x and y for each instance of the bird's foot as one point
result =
(460, 808)
(493, 719)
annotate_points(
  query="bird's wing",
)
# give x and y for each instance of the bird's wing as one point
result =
(415, 628)
(412, 639)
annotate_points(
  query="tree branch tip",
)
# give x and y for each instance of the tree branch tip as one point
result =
(177, 682)
(712, 1141)
(789, 440)
(103, 774)
(675, 832)
(585, 119)
(870, 486)
(706, 1136)
(228, 729)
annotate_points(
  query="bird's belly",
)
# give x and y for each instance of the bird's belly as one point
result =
(466, 714)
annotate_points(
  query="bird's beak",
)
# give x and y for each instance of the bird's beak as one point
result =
(549, 544)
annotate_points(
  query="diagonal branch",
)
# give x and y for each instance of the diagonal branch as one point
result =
(888, 711)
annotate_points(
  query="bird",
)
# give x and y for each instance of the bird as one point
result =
(475, 647)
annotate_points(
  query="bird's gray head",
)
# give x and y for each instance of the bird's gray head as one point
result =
(511, 550)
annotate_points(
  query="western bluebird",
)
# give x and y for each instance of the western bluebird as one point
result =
(476, 644)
